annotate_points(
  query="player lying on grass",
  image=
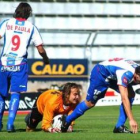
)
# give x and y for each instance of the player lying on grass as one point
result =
(51, 103)
(118, 74)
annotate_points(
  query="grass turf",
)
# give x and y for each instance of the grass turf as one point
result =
(96, 124)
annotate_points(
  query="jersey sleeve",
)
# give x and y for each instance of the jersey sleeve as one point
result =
(48, 116)
(3, 27)
(51, 109)
(36, 37)
(124, 77)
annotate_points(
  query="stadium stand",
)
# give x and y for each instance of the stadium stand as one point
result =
(107, 28)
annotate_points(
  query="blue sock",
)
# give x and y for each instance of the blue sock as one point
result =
(13, 107)
(123, 117)
(2, 107)
(78, 111)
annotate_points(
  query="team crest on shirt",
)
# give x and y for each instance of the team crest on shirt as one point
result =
(125, 81)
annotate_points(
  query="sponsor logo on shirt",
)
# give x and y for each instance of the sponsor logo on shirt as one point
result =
(125, 81)
(10, 68)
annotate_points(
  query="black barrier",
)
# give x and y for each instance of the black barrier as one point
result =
(27, 101)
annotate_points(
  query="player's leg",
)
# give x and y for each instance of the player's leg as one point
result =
(123, 117)
(95, 92)
(18, 84)
(32, 119)
(120, 127)
(13, 107)
(2, 107)
(93, 95)
(3, 93)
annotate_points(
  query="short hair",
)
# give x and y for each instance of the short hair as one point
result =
(137, 70)
(23, 10)
(66, 89)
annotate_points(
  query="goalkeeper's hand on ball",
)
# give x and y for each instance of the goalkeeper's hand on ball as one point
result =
(54, 130)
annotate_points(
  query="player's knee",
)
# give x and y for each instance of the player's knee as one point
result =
(89, 104)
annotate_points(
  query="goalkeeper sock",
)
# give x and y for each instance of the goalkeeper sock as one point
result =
(2, 107)
(123, 117)
(78, 111)
(14, 104)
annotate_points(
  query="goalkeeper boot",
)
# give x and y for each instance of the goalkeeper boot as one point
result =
(27, 118)
(28, 129)
(65, 125)
(121, 129)
(27, 121)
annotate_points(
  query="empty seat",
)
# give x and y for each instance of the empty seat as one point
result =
(65, 38)
(94, 16)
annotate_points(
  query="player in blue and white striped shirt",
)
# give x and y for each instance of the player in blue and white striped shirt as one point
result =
(17, 33)
(118, 74)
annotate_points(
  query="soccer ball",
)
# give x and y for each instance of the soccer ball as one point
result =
(57, 122)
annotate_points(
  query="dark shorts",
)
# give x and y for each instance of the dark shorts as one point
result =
(98, 86)
(33, 118)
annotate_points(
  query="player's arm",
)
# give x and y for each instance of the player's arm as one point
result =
(37, 40)
(124, 96)
(47, 119)
(43, 53)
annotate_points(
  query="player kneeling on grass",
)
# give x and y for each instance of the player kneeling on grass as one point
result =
(51, 103)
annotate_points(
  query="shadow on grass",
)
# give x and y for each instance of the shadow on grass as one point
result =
(87, 130)
(24, 130)
(75, 131)
(39, 129)
(78, 131)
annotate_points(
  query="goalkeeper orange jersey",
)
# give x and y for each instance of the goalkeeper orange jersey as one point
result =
(50, 104)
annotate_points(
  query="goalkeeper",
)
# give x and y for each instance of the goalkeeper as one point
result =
(51, 103)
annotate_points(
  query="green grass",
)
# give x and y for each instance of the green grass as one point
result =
(95, 124)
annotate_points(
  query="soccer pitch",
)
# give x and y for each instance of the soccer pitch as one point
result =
(96, 124)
